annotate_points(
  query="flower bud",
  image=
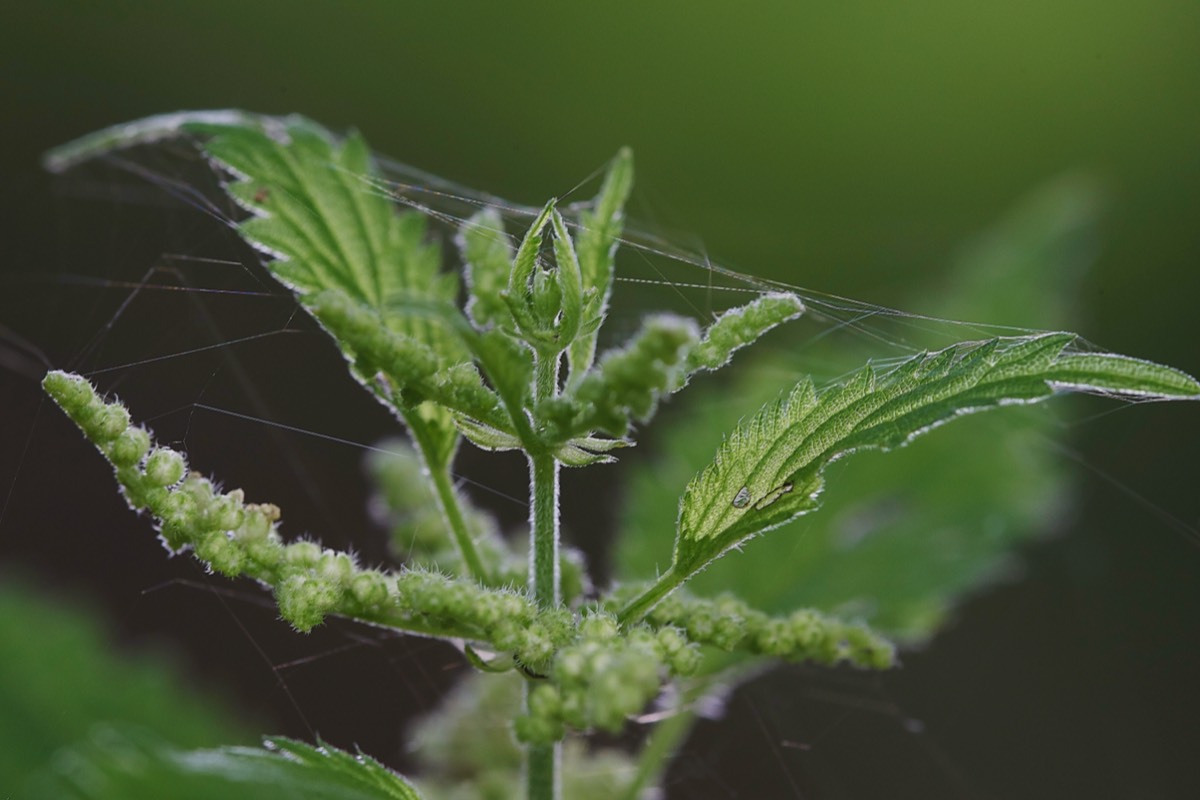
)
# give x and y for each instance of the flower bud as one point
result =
(129, 448)
(369, 588)
(807, 627)
(303, 554)
(570, 666)
(109, 423)
(545, 701)
(599, 627)
(222, 554)
(164, 467)
(867, 649)
(685, 661)
(536, 648)
(71, 392)
(335, 567)
(225, 513)
(256, 525)
(775, 638)
(305, 601)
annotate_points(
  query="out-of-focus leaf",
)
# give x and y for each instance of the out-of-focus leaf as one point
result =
(58, 677)
(119, 764)
(466, 749)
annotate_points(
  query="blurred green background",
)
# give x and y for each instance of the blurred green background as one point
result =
(850, 148)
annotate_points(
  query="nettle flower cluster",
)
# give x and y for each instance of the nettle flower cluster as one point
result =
(516, 367)
(491, 374)
(591, 672)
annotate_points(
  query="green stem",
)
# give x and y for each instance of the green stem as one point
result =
(637, 608)
(448, 502)
(658, 749)
(543, 511)
(452, 511)
(543, 554)
(542, 761)
(542, 771)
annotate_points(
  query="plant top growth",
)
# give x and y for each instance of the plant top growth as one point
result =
(505, 353)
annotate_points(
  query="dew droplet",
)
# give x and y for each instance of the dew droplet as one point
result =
(742, 498)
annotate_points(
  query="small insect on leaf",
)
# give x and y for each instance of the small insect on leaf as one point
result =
(742, 498)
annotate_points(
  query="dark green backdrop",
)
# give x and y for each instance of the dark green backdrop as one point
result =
(846, 147)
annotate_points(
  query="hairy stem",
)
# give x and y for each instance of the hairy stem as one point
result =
(637, 608)
(452, 511)
(542, 761)
(543, 511)
(448, 502)
(543, 575)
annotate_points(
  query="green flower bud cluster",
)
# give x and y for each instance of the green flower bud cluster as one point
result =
(231, 536)
(742, 326)
(626, 384)
(411, 370)
(602, 678)
(237, 538)
(376, 348)
(507, 620)
(805, 635)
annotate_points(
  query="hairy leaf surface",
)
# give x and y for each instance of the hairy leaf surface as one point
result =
(316, 209)
(770, 469)
(600, 229)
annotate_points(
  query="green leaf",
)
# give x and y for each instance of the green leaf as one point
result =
(60, 675)
(886, 549)
(526, 284)
(570, 280)
(317, 209)
(627, 383)
(155, 129)
(488, 258)
(596, 244)
(333, 232)
(769, 470)
(121, 764)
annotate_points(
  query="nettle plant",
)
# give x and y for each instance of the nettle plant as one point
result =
(505, 355)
